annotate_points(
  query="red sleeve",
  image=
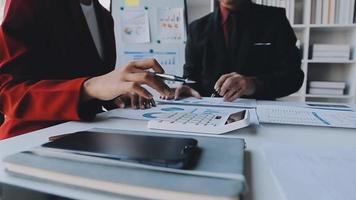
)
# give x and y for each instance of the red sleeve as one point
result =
(21, 96)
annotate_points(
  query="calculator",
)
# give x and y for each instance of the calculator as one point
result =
(202, 122)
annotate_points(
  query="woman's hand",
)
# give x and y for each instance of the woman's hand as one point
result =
(126, 80)
(134, 101)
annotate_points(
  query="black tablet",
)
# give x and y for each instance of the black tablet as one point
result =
(163, 151)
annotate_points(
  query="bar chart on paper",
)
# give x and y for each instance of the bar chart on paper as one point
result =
(168, 59)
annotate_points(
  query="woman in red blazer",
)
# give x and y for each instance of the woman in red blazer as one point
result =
(51, 71)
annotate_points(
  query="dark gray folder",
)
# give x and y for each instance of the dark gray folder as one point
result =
(217, 175)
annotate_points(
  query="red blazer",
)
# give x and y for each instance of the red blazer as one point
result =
(46, 53)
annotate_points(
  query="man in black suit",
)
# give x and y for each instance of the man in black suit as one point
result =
(242, 50)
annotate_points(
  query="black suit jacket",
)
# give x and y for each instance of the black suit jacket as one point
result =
(263, 46)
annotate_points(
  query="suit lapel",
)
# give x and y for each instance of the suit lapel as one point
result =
(107, 35)
(81, 28)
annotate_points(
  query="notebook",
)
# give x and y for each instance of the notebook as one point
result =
(217, 175)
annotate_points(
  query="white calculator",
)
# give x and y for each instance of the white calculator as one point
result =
(202, 123)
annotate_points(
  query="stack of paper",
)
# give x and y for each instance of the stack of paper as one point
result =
(327, 87)
(331, 51)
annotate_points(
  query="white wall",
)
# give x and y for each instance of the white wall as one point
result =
(2, 2)
(197, 9)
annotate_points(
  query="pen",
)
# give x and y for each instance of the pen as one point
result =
(173, 78)
(215, 93)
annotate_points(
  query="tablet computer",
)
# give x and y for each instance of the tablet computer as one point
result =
(164, 151)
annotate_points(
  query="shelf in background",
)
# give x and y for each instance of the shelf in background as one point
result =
(296, 95)
(299, 26)
(330, 26)
(331, 61)
(329, 96)
(324, 26)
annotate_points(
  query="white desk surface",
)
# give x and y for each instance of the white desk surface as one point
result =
(260, 180)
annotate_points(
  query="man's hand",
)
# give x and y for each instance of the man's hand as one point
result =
(182, 92)
(232, 86)
(126, 80)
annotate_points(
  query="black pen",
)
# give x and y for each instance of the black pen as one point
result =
(170, 77)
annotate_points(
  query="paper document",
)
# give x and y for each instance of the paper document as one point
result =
(313, 105)
(311, 173)
(171, 25)
(135, 26)
(306, 116)
(132, 3)
(168, 59)
(216, 102)
(163, 111)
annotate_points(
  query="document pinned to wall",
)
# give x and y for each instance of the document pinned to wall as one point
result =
(168, 59)
(311, 173)
(132, 3)
(171, 27)
(135, 26)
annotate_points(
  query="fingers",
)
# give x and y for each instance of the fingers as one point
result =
(134, 101)
(120, 102)
(135, 88)
(153, 103)
(142, 102)
(170, 96)
(179, 92)
(233, 82)
(150, 80)
(186, 91)
(232, 95)
(146, 103)
(222, 79)
(137, 66)
(195, 93)
(235, 96)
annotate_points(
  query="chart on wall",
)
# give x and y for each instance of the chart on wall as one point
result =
(135, 26)
(168, 59)
(151, 29)
(171, 25)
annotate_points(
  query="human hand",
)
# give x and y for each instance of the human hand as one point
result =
(126, 80)
(232, 86)
(134, 101)
(182, 91)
